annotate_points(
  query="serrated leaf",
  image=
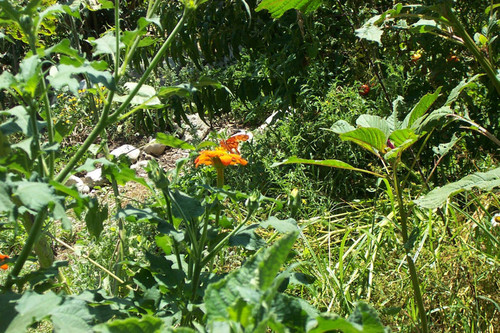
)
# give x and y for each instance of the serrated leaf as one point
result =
(278, 7)
(481, 180)
(258, 273)
(172, 141)
(328, 163)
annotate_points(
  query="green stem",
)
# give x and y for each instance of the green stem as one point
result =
(122, 248)
(50, 128)
(411, 266)
(471, 46)
(35, 231)
(152, 65)
(106, 118)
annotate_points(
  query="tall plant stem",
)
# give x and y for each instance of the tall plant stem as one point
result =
(471, 45)
(107, 119)
(35, 231)
(411, 265)
(122, 246)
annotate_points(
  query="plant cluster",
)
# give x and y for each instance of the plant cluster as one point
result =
(294, 229)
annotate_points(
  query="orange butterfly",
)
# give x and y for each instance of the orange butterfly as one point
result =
(231, 144)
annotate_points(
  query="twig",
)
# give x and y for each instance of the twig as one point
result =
(93, 262)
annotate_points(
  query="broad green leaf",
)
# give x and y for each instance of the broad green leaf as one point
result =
(66, 76)
(401, 136)
(6, 80)
(342, 126)
(24, 145)
(328, 163)
(258, 273)
(29, 74)
(105, 45)
(367, 120)
(372, 139)
(481, 180)
(35, 195)
(283, 226)
(95, 217)
(402, 139)
(179, 90)
(64, 47)
(19, 121)
(147, 215)
(185, 206)
(72, 316)
(6, 204)
(145, 324)
(146, 95)
(278, 7)
(421, 108)
(444, 148)
(172, 141)
(121, 172)
(363, 320)
(247, 238)
(32, 307)
(371, 31)
(90, 164)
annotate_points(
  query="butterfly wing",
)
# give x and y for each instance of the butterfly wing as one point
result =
(231, 144)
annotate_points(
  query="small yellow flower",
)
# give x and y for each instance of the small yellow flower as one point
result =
(219, 158)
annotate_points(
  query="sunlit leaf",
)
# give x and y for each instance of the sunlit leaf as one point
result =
(372, 139)
(420, 108)
(328, 163)
(371, 31)
(282, 226)
(31, 308)
(172, 141)
(95, 217)
(481, 180)
(278, 7)
(364, 319)
(145, 324)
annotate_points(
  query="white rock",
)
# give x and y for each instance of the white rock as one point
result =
(129, 150)
(197, 128)
(80, 185)
(95, 178)
(154, 148)
(139, 168)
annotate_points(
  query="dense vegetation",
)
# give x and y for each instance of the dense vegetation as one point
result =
(366, 199)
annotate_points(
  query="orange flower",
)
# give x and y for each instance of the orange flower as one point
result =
(2, 257)
(219, 157)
